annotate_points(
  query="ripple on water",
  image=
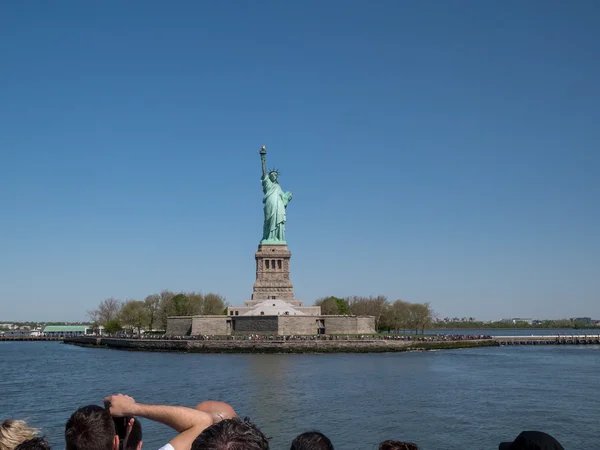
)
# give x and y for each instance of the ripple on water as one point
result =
(445, 400)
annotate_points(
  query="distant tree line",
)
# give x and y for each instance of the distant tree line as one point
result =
(152, 312)
(398, 316)
(470, 322)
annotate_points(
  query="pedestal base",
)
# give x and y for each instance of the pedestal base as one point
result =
(273, 274)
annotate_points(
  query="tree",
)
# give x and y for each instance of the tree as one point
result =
(387, 319)
(331, 306)
(368, 306)
(421, 316)
(107, 310)
(151, 305)
(180, 305)
(134, 314)
(113, 326)
(214, 304)
(195, 304)
(343, 307)
(399, 314)
(165, 307)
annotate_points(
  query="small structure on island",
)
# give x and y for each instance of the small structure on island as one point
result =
(66, 330)
(272, 309)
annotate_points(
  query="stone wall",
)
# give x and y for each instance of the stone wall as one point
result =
(349, 324)
(270, 325)
(276, 346)
(255, 325)
(179, 326)
(365, 325)
(289, 325)
(211, 325)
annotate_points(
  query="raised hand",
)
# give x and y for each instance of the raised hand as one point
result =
(120, 405)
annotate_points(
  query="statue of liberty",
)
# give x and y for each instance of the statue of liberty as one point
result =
(275, 201)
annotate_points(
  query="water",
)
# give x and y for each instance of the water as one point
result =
(456, 399)
(518, 331)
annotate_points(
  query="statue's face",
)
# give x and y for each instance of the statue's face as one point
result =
(273, 177)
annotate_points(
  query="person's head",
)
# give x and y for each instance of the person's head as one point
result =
(218, 410)
(14, 432)
(91, 428)
(231, 434)
(131, 440)
(397, 445)
(313, 440)
(273, 176)
(37, 443)
(532, 440)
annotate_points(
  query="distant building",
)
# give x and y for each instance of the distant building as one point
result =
(515, 320)
(17, 332)
(66, 330)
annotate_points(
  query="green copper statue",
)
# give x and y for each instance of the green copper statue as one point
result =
(275, 201)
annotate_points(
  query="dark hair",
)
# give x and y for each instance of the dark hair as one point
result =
(231, 434)
(38, 443)
(90, 428)
(312, 440)
(397, 445)
(135, 435)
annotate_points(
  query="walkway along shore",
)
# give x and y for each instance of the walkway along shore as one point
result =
(319, 346)
(308, 346)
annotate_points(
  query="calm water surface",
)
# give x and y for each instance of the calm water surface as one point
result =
(518, 331)
(457, 399)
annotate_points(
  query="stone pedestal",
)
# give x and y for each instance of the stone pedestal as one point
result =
(273, 275)
(273, 293)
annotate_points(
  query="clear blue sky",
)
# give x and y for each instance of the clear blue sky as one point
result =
(438, 151)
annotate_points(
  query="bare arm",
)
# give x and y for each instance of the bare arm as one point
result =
(187, 421)
(217, 410)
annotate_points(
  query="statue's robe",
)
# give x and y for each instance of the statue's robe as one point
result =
(274, 206)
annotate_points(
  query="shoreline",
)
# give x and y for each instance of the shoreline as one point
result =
(274, 346)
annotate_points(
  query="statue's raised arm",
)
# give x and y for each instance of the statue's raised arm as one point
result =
(263, 159)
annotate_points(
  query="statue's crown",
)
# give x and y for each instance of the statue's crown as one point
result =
(274, 170)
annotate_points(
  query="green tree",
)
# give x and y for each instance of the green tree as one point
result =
(195, 305)
(152, 305)
(134, 314)
(333, 306)
(165, 308)
(180, 305)
(386, 323)
(214, 304)
(399, 315)
(343, 307)
(113, 326)
(329, 306)
(422, 316)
